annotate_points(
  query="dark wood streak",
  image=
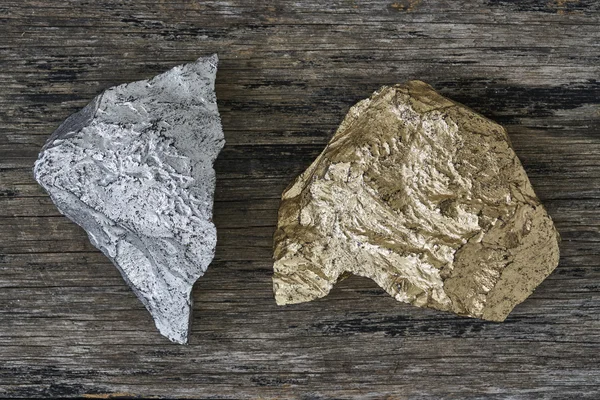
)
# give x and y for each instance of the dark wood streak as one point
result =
(289, 71)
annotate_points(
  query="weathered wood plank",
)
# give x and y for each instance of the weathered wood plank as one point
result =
(289, 71)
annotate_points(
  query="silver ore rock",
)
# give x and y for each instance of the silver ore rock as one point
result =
(134, 168)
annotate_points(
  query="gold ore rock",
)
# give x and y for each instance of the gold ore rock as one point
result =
(425, 197)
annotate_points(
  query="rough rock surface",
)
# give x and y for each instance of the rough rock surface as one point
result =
(425, 197)
(134, 169)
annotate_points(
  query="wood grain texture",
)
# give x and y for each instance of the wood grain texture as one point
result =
(289, 71)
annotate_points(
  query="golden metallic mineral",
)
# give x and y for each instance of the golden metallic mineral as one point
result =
(425, 197)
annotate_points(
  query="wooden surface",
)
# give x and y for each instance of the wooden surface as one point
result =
(69, 325)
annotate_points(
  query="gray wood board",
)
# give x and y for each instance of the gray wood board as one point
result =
(289, 71)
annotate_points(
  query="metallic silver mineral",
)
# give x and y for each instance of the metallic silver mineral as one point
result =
(134, 168)
(425, 197)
